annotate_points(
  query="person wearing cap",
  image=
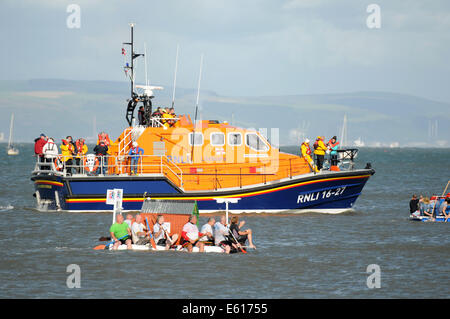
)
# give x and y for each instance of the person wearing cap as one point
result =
(306, 154)
(101, 151)
(135, 154)
(67, 150)
(319, 151)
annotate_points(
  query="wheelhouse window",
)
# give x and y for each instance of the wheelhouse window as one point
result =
(217, 139)
(195, 139)
(255, 142)
(234, 139)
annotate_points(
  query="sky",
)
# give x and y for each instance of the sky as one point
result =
(251, 47)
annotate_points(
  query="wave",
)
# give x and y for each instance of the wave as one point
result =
(6, 208)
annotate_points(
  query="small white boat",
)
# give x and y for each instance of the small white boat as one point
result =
(11, 149)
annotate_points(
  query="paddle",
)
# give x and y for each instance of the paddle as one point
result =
(151, 236)
(101, 247)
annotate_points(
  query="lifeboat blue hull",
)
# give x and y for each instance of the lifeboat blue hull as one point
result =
(325, 192)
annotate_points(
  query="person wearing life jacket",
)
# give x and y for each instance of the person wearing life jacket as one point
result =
(173, 116)
(165, 117)
(67, 151)
(50, 151)
(135, 153)
(156, 115)
(306, 154)
(319, 151)
(333, 147)
(80, 150)
(103, 137)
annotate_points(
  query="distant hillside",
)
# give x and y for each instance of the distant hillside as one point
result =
(63, 107)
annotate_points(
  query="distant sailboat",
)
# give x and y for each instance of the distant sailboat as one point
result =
(11, 149)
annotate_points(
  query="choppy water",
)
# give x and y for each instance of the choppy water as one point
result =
(302, 256)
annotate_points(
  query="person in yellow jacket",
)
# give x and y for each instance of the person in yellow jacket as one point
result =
(81, 150)
(319, 151)
(67, 151)
(306, 154)
(165, 117)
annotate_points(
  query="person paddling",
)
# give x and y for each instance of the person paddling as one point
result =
(120, 230)
(190, 235)
(241, 235)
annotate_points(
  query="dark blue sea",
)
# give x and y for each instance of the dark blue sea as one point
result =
(297, 256)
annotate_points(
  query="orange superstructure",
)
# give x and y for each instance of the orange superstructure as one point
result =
(223, 156)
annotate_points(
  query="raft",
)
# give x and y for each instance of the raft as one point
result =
(148, 247)
(428, 219)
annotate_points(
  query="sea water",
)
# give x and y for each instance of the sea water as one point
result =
(297, 256)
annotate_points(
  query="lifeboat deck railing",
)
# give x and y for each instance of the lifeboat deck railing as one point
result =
(120, 165)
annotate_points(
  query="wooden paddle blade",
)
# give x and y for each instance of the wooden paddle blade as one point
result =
(100, 247)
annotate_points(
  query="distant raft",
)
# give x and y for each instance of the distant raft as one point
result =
(148, 247)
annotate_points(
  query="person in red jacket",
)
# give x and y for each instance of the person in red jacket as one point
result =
(39, 145)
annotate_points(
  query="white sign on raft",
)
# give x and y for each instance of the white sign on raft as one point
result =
(115, 197)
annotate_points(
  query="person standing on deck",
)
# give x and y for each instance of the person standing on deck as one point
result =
(67, 151)
(306, 154)
(80, 149)
(38, 146)
(50, 151)
(135, 154)
(319, 151)
(333, 146)
(101, 151)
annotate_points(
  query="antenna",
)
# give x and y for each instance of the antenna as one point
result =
(196, 107)
(175, 76)
(145, 63)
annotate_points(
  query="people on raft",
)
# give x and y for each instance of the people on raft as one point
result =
(413, 204)
(221, 236)
(333, 147)
(161, 235)
(120, 233)
(241, 235)
(443, 208)
(190, 235)
(139, 233)
(135, 154)
(207, 230)
(319, 151)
